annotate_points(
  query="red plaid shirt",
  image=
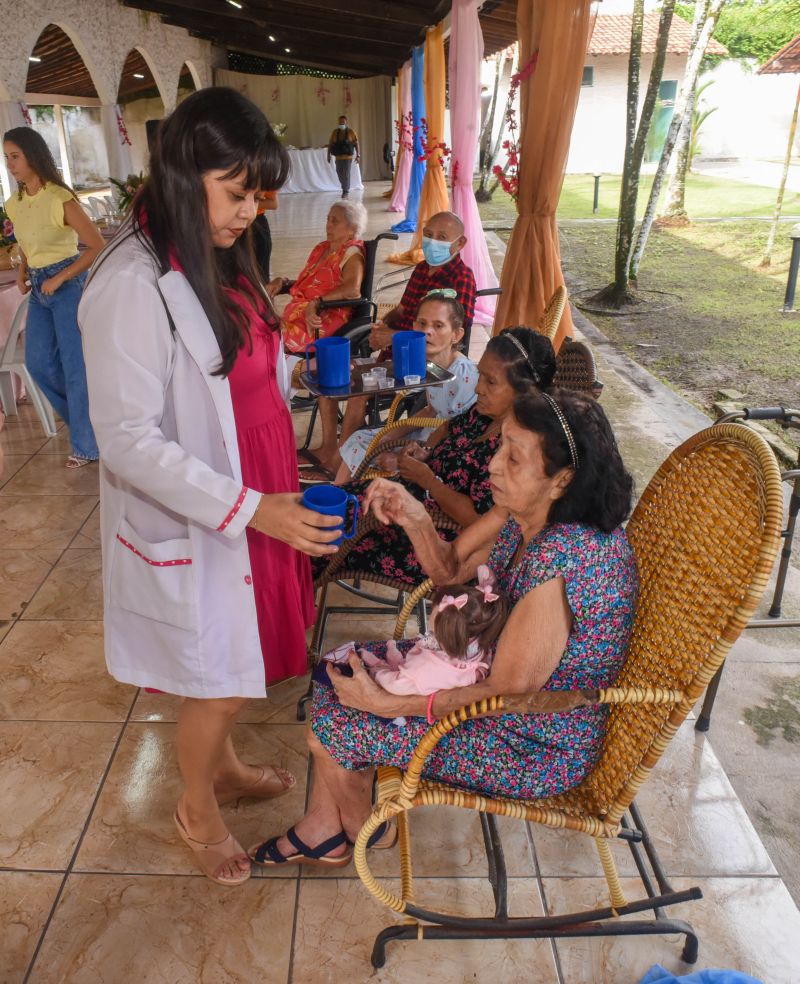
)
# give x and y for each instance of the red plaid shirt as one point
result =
(454, 274)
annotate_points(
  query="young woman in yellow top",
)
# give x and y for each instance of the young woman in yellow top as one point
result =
(48, 222)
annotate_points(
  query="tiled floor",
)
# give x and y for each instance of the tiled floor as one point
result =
(96, 887)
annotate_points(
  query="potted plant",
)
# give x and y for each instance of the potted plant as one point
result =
(126, 190)
(7, 240)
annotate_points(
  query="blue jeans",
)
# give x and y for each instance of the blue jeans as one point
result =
(54, 354)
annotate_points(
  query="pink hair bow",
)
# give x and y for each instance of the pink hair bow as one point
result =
(486, 583)
(449, 601)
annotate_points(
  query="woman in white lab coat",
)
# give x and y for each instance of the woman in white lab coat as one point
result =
(204, 536)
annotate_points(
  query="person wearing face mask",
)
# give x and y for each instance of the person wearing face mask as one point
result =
(343, 147)
(442, 269)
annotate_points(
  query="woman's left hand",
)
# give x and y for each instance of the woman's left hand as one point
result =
(413, 470)
(359, 691)
(51, 285)
(313, 319)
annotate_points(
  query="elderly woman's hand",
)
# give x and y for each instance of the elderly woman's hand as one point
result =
(391, 503)
(381, 336)
(414, 470)
(359, 691)
(313, 319)
(415, 450)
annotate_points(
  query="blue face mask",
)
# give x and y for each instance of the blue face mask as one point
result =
(436, 253)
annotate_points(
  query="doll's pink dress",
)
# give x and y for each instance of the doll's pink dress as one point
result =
(425, 668)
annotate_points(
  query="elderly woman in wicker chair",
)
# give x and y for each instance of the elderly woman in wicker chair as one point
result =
(448, 474)
(554, 543)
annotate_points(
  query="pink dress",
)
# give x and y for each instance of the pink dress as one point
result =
(281, 575)
(425, 668)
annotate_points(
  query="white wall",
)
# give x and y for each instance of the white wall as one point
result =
(598, 137)
(753, 116)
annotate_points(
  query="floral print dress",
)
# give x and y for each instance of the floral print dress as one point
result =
(461, 461)
(517, 755)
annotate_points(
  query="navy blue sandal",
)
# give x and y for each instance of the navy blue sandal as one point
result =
(268, 855)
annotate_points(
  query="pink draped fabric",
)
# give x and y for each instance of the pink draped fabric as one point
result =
(466, 53)
(403, 172)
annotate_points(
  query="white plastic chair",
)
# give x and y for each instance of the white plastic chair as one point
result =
(12, 360)
(98, 206)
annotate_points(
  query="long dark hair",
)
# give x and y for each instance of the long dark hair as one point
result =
(601, 490)
(215, 129)
(38, 156)
(537, 364)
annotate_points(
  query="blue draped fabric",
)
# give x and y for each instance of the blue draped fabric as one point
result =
(409, 224)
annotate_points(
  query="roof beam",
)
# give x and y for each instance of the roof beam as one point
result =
(391, 12)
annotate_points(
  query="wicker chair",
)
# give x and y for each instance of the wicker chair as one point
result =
(551, 316)
(576, 369)
(705, 533)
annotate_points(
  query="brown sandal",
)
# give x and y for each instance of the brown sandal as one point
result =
(264, 788)
(211, 857)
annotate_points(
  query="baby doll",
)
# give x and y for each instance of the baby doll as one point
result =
(466, 623)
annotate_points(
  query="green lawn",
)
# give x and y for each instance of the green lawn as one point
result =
(723, 330)
(706, 197)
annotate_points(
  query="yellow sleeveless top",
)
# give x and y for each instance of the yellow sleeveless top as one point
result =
(39, 225)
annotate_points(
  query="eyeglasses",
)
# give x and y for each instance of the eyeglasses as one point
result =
(444, 292)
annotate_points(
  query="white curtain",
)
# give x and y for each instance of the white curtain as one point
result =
(310, 107)
(118, 142)
(12, 114)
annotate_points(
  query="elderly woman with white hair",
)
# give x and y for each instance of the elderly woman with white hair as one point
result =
(333, 271)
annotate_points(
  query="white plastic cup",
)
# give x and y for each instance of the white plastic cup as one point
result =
(412, 380)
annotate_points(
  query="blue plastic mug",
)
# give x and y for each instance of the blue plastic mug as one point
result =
(408, 354)
(333, 362)
(330, 500)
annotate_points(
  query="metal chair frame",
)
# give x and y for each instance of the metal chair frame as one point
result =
(789, 419)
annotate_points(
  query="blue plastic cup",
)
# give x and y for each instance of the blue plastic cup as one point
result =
(408, 354)
(333, 362)
(330, 500)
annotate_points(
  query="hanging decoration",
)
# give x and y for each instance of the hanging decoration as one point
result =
(23, 108)
(123, 130)
(508, 176)
(322, 93)
(348, 96)
(276, 94)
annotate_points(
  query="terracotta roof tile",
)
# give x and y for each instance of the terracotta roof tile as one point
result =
(785, 60)
(612, 36)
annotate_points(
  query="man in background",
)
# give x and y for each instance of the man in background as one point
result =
(343, 147)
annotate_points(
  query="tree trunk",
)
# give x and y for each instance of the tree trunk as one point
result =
(767, 257)
(619, 292)
(675, 208)
(489, 150)
(705, 22)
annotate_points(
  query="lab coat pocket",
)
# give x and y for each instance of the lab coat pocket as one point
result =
(154, 579)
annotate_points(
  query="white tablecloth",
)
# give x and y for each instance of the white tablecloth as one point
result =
(312, 172)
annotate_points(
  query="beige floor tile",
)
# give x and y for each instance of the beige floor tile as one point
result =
(692, 812)
(279, 708)
(55, 671)
(26, 898)
(745, 924)
(60, 444)
(89, 533)
(180, 930)
(49, 774)
(132, 828)
(21, 437)
(21, 573)
(11, 464)
(337, 922)
(74, 589)
(31, 523)
(46, 475)
(447, 843)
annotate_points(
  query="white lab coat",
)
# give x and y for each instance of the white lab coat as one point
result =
(179, 607)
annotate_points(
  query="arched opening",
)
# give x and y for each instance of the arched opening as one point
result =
(186, 84)
(65, 108)
(142, 106)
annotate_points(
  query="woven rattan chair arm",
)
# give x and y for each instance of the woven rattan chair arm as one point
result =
(396, 404)
(295, 380)
(365, 525)
(416, 596)
(426, 422)
(557, 701)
